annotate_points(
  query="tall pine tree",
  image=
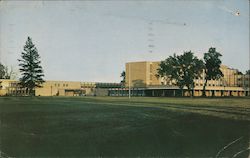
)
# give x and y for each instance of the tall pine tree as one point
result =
(30, 68)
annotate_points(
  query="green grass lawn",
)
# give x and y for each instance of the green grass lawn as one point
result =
(116, 126)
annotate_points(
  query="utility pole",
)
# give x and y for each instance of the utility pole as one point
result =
(129, 81)
(51, 90)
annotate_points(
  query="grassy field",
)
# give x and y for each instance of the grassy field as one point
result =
(110, 126)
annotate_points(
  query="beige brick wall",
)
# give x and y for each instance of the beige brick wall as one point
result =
(136, 74)
(142, 74)
(53, 88)
(154, 80)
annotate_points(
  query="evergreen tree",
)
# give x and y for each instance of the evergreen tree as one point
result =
(30, 68)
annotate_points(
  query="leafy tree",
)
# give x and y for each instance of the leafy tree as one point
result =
(7, 73)
(238, 72)
(182, 69)
(12, 74)
(212, 67)
(4, 72)
(123, 75)
(248, 72)
(30, 68)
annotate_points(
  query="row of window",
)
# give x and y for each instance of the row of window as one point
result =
(58, 85)
(197, 84)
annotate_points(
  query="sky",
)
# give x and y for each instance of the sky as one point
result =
(92, 40)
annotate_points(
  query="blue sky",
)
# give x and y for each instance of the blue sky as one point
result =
(92, 40)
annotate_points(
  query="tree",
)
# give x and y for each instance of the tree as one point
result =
(248, 72)
(4, 72)
(30, 68)
(7, 73)
(123, 75)
(11, 74)
(238, 72)
(182, 69)
(212, 67)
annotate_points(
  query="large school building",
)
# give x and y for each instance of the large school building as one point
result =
(58, 88)
(142, 79)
